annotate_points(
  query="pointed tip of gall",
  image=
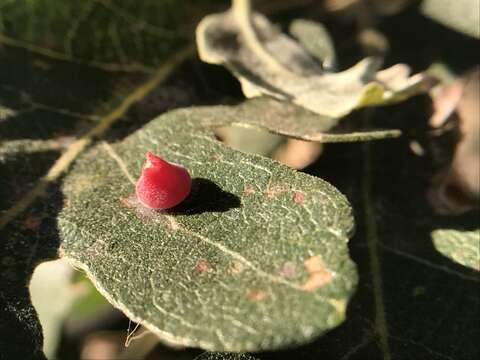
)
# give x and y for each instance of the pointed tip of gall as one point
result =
(153, 160)
(162, 185)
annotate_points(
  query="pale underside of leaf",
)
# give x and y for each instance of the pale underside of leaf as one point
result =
(314, 37)
(221, 39)
(256, 258)
(287, 119)
(462, 247)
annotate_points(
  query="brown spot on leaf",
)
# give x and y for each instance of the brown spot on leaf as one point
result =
(275, 190)
(248, 190)
(32, 223)
(256, 295)
(298, 197)
(202, 266)
(319, 275)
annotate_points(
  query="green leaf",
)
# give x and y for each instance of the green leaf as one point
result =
(112, 35)
(269, 62)
(255, 259)
(460, 15)
(287, 119)
(462, 247)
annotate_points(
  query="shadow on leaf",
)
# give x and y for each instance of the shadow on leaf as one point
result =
(206, 196)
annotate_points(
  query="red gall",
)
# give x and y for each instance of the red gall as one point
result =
(162, 185)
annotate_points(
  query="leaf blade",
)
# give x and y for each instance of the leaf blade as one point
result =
(213, 264)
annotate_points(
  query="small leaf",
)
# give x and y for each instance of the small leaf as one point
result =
(255, 258)
(462, 247)
(269, 62)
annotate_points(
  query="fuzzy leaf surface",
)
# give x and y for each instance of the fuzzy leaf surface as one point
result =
(255, 258)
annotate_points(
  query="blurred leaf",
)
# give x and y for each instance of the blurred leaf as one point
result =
(225, 270)
(456, 187)
(88, 304)
(298, 154)
(112, 35)
(462, 247)
(269, 62)
(383, 7)
(287, 119)
(249, 140)
(460, 15)
(314, 37)
(52, 298)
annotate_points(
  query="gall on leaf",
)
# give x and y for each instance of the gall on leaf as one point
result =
(162, 185)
